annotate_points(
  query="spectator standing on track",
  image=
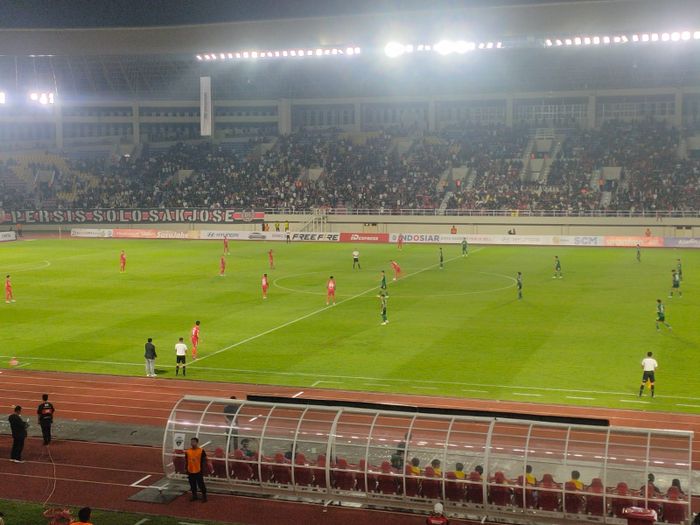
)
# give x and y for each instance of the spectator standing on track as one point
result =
(649, 365)
(84, 516)
(181, 357)
(437, 517)
(45, 413)
(196, 461)
(19, 434)
(150, 355)
(288, 237)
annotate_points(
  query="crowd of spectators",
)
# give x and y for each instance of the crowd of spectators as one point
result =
(333, 170)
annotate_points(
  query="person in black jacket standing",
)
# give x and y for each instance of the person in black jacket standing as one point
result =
(45, 415)
(19, 434)
(150, 355)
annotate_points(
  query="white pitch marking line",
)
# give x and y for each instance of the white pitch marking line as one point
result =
(375, 384)
(526, 394)
(141, 522)
(426, 387)
(23, 364)
(317, 382)
(135, 483)
(472, 390)
(682, 405)
(580, 397)
(188, 523)
(298, 394)
(634, 401)
(306, 316)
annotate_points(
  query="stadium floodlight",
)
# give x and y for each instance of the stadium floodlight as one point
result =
(559, 42)
(3, 98)
(587, 41)
(578, 41)
(696, 35)
(444, 47)
(596, 40)
(462, 46)
(665, 37)
(43, 98)
(394, 49)
(617, 39)
(685, 35)
(675, 36)
(199, 57)
(606, 40)
(635, 38)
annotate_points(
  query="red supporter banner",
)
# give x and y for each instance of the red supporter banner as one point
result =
(364, 237)
(132, 216)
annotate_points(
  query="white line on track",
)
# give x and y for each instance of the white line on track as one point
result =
(139, 481)
(306, 316)
(298, 394)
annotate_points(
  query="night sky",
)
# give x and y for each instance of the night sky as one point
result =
(134, 13)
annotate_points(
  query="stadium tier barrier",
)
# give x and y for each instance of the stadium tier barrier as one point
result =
(7, 236)
(411, 238)
(408, 461)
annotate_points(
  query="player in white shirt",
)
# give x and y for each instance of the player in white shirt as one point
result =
(181, 357)
(649, 366)
(356, 260)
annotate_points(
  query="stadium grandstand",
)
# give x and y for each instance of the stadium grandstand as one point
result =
(524, 127)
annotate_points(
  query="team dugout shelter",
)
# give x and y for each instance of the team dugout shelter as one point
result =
(478, 467)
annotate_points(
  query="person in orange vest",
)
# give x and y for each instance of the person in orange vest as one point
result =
(437, 517)
(196, 461)
(453, 230)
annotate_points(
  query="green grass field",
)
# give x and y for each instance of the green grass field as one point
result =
(458, 331)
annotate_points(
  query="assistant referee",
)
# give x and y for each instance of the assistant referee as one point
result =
(649, 365)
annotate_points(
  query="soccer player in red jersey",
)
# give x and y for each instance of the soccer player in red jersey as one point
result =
(264, 285)
(9, 298)
(195, 339)
(330, 287)
(397, 269)
(400, 241)
(226, 252)
(222, 267)
(271, 259)
(122, 262)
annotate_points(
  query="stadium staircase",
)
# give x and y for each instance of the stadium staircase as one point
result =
(317, 223)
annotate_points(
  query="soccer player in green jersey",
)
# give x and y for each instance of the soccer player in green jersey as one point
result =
(675, 284)
(639, 254)
(661, 315)
(519, 281)
(557, 268)
(382, 284)
(679, 269)
(441, 259)
(465, 247)
(382, 301)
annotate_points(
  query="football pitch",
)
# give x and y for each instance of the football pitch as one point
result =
(458, 331)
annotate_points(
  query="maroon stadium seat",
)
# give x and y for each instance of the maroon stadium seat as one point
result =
(595, 503)
(498, 493)
(454, 488)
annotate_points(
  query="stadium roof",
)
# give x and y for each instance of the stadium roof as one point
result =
(370, 26)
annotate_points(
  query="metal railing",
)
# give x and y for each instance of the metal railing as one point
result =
(655, 215)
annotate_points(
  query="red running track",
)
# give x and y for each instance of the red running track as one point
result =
(100, 474)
